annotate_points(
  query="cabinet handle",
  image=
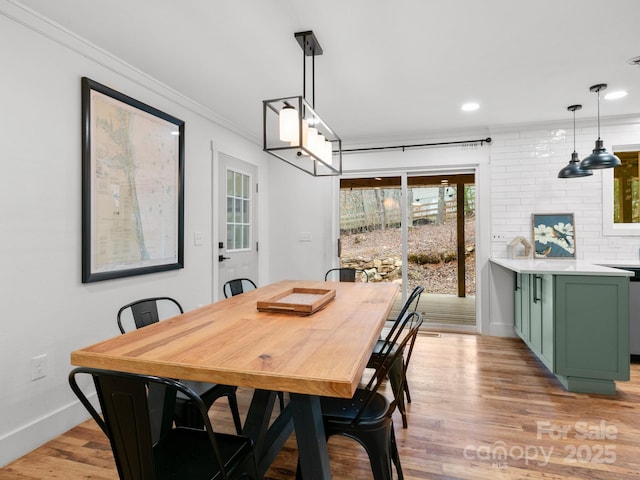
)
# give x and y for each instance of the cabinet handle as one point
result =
(536, 299)
(517, 285)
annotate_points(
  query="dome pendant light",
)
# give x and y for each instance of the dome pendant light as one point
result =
(600, 158)
(573, 170)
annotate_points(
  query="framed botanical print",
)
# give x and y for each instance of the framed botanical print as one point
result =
(553, 235)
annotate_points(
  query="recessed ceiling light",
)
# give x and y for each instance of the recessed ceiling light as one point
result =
(470, 107)
(615, 95)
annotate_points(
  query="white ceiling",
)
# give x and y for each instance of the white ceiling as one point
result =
(392, 70)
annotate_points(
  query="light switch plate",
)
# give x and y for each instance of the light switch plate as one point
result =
(304, 236)
(197, 238)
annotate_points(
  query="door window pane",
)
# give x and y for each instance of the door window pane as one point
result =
(245, 236)
(229, 182)
(238, 208)
(370, 233)
(238, 184)
(245, 186)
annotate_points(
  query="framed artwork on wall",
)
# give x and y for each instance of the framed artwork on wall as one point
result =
(132, 186)
(553, 235)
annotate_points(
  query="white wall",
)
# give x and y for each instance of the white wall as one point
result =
(525, 162)
(46, 308)
(302, 206)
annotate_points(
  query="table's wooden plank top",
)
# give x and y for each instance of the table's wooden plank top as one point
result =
(230, 342)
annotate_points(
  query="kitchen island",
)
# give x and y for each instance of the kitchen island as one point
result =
(574, 316)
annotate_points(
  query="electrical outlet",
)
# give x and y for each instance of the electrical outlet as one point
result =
(38, 367)
(498, 237)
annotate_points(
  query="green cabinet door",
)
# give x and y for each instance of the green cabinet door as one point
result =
(547, 324)
(541, 336)
(592, 327)
(517, 303)
(525, 285)
(535, 313)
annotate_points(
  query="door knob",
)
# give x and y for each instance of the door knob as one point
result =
(222, 258)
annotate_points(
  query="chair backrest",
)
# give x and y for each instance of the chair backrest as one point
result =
(237, 286)
(391, 352)
(126, 418)
(347, 274)
(410, 305)
(145, 311)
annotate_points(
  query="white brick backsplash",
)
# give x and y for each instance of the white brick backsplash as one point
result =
(524, 167)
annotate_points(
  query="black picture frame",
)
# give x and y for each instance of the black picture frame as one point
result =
(132, 186)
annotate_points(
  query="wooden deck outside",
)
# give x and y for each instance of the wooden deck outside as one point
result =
(442, 311)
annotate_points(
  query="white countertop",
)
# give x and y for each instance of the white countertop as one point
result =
(565, 267)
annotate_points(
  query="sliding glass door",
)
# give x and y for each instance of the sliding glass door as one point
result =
(427, 239)
(370, 227)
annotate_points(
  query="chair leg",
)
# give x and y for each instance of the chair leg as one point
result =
(298, 471)
(381, 466)
(379, 447)
(235, 413)
(405, 387)
(396, 374)
(281, 398)
(380, 454)
(406, 384)
(395, 455)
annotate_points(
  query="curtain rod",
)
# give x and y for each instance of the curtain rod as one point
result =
(481, 141)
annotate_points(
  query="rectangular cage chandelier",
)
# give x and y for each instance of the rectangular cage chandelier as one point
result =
(294, 132)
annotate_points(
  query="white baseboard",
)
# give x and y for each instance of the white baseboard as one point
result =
(22, 441)
(501, 330)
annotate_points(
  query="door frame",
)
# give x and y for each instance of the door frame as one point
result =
(404, 175)
(216, 212)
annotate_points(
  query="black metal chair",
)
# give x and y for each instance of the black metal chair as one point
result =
(367, 416)
(180, 452)
(237, 286)
(409, 306)
(347, 274)
(145, 312)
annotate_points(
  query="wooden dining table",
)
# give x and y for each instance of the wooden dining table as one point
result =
(231, 342)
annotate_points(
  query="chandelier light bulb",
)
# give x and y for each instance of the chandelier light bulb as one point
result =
(289, 124)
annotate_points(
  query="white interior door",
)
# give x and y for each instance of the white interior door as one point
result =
(238, 245)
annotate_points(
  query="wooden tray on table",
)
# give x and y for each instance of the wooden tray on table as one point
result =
(298, 301)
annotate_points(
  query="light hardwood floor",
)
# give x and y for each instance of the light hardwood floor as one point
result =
(483, 408)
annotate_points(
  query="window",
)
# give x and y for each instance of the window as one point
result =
(625, 189)
(238, 211)
(621, 196)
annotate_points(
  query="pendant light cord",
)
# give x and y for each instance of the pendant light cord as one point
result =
(304, 72)
(313, 78)
(598, 114)
(574, 131)
(313, 74)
